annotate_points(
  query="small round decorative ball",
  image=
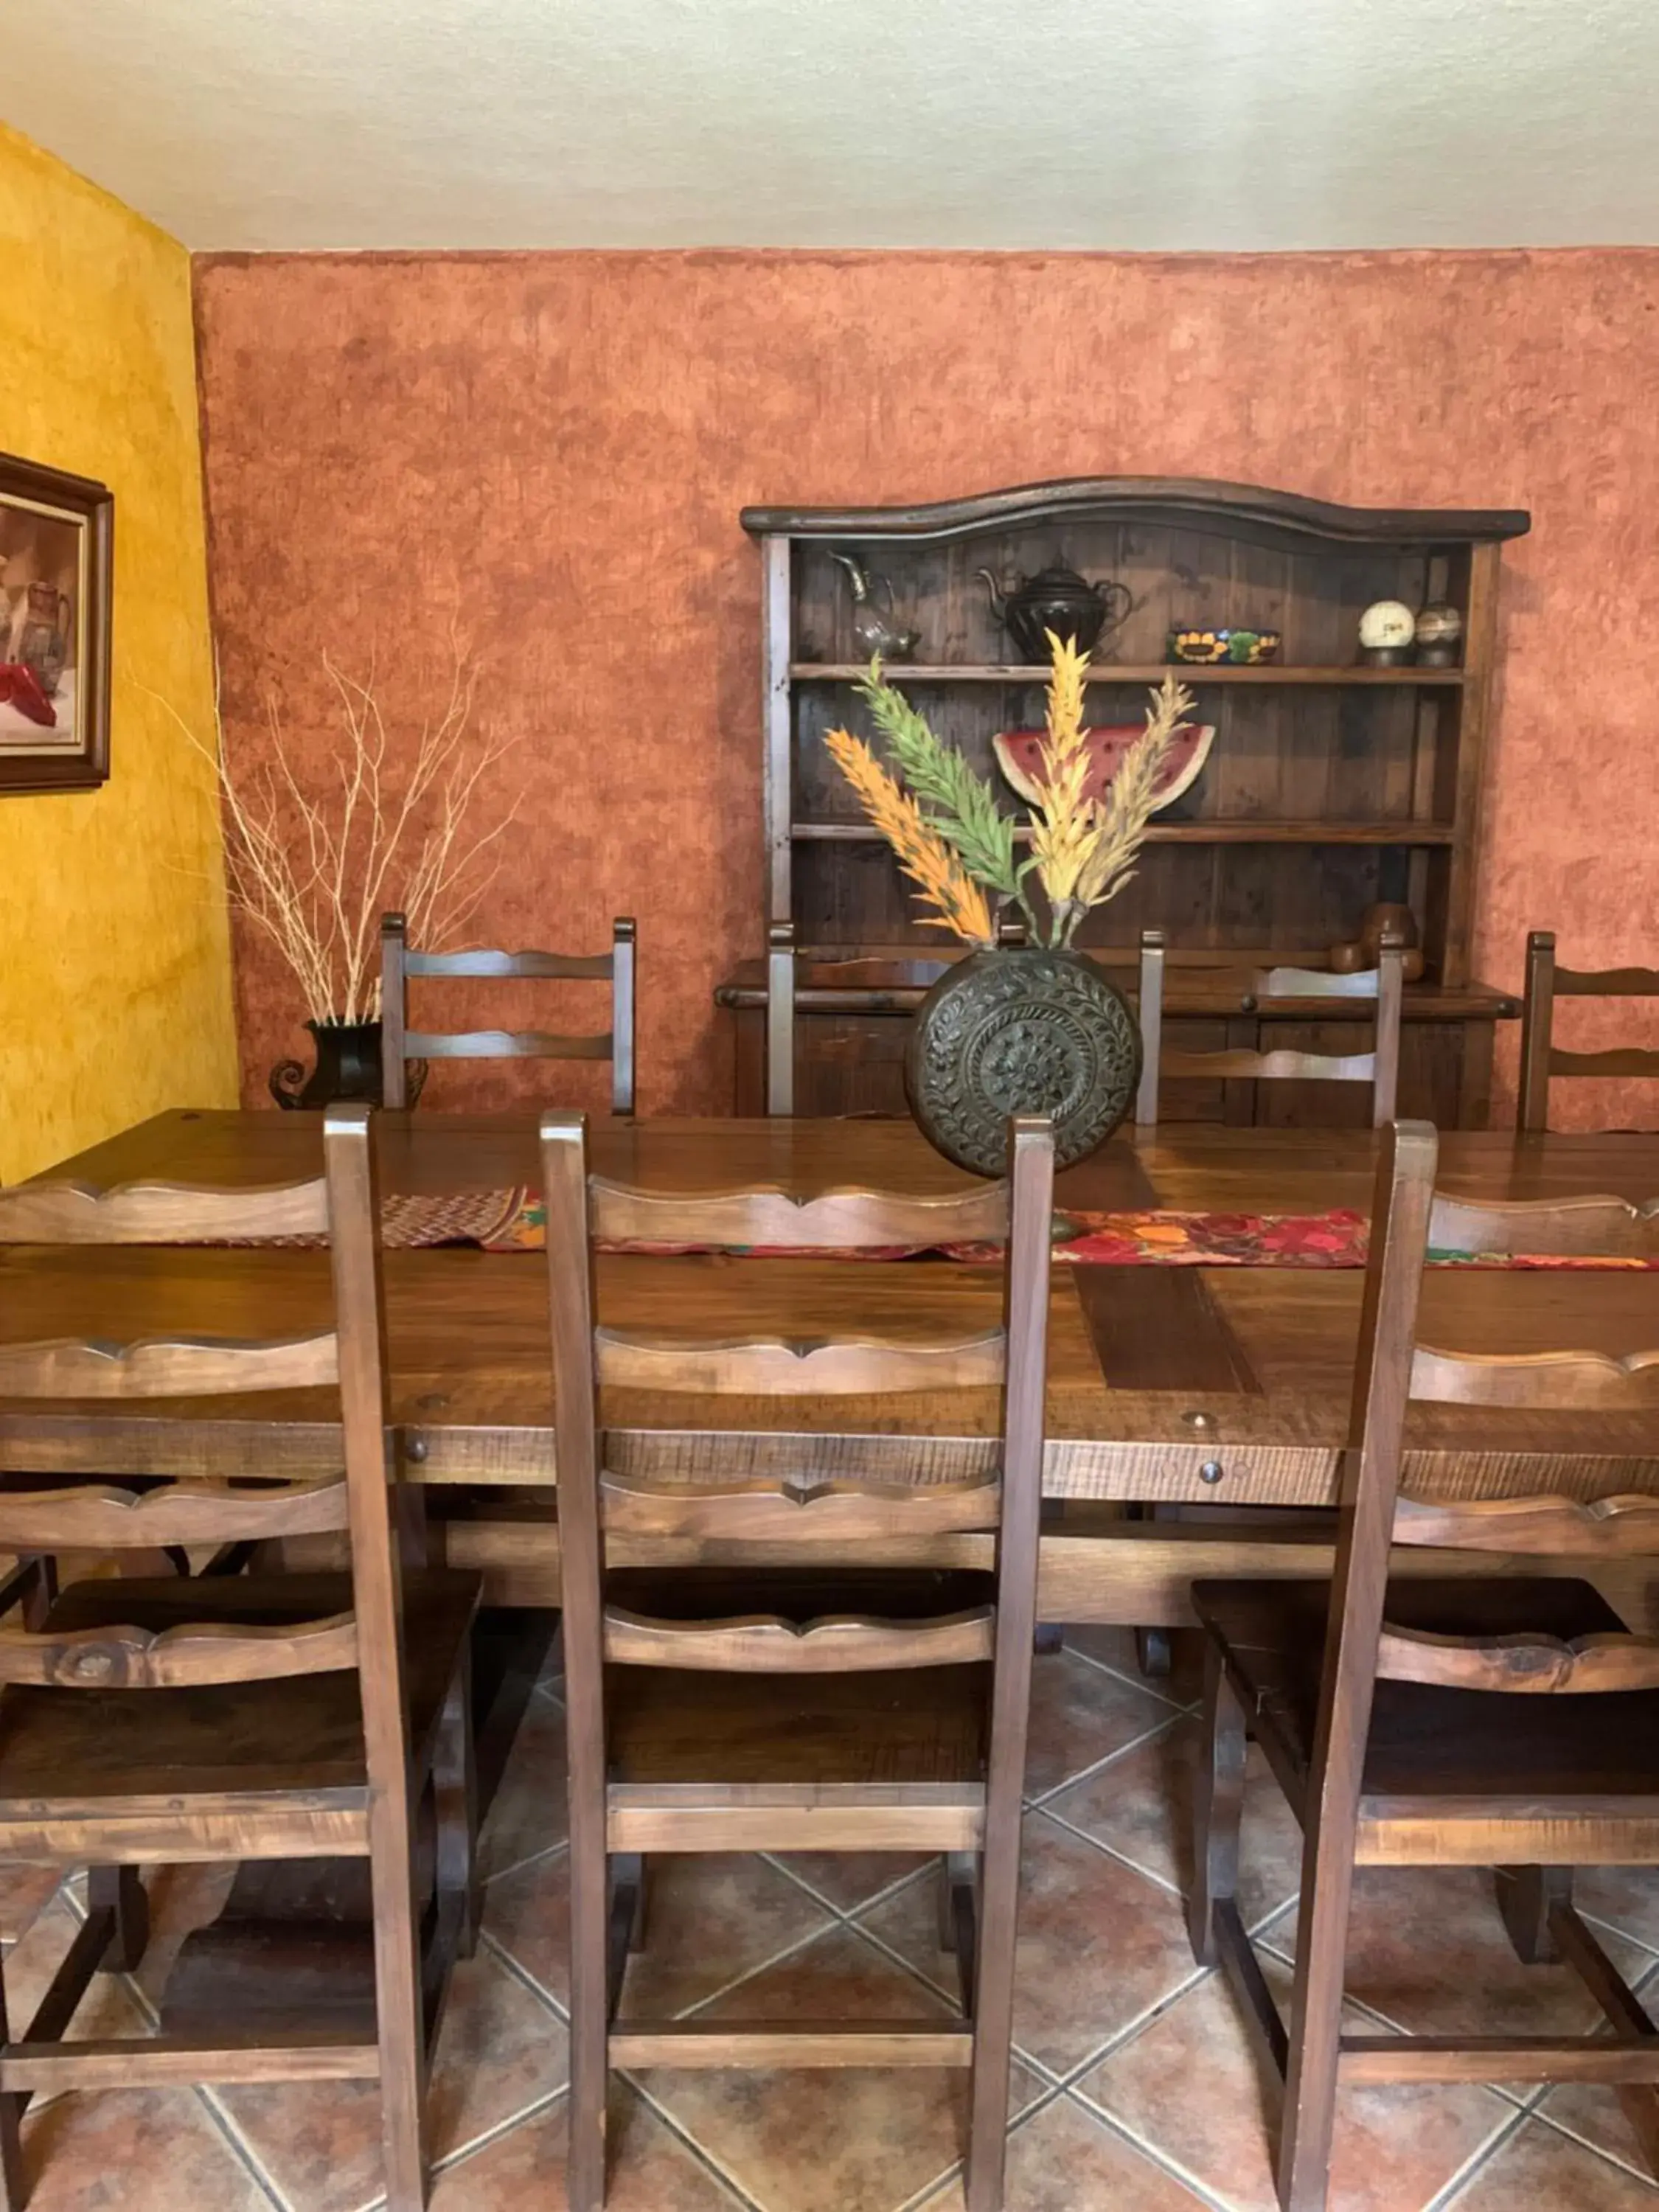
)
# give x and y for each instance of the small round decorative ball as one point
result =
(1439, 625)
(1387, 624)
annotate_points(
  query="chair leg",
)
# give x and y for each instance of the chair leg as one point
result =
(14, 2187)
(585, 2173)
(455, 1796)
(639, 1932)
(1304, 2166)
(944, 1904)
(400, 2028)
(1219, 1805)
(121, 1889)
(1154, 1653)
(1525, 1897)
(993, 2008)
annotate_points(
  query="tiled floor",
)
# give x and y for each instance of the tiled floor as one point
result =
(1135, 2088)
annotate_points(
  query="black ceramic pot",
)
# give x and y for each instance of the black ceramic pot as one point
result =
(347, 1066)
(1021, 1031)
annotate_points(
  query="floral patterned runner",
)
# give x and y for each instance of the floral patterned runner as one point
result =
(516, 1221)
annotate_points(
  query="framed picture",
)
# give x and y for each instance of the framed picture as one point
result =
(57, 534)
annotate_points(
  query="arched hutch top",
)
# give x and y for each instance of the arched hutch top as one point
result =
(1330, 785)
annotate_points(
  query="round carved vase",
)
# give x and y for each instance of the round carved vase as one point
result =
(1021, 1031)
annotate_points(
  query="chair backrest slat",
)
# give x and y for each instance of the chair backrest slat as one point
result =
(160, 1213)
(81, 1517)
(1562, 1528)
(796, 1512)
(1379, 1067)
(504, 1044)
(399, 1044)
(1541, 1057)
(1602, 1224)
(776, 1367)
(191, 1656)
(835, 1220)
(165, 1367)
(767, 1644)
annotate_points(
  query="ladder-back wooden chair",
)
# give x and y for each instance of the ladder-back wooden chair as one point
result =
(1445, 1721)
(1541, 1057)
(266, 1716)
(822, 1706)
(1380, 1067)
(399, 1044)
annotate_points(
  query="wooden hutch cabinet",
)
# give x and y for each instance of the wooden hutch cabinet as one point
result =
(1329, 785)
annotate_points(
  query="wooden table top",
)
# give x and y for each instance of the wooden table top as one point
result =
(1265, 1353)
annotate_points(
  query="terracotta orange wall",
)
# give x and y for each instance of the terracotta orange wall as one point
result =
(554, 448)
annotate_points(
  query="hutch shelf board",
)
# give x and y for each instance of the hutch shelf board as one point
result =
(1329, 786)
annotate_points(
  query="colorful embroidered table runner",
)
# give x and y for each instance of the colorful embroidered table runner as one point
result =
(516, 1221)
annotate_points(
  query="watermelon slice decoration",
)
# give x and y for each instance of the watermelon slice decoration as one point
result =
(1019, 756)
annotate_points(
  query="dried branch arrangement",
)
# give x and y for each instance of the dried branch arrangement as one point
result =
(955, 842)
(315, 851)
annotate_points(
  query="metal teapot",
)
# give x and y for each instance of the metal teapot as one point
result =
(878, 634)
(1060, 600)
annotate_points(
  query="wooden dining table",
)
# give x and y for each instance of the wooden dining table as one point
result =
(1207, 1390)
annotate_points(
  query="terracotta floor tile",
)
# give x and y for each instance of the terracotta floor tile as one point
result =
(529, 1813)
(847, 1880)
(650, 2169)
(1427, 1949)
(131, 2150)
(1141, 1805)
(500, 2049)
(25, 1892)
(1539, 2171)
(1079, 1715)
(1602, 2116)
(107, 2007)
(1098, 1944)
(714, 1917)
(1626, 1897)
(1189, 2085)
(1115, 1647)
(855, 2141)
(1063, 2160)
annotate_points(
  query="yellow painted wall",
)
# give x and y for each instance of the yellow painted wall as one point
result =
(114, 948)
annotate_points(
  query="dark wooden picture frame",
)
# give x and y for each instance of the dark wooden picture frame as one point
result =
(57, 549)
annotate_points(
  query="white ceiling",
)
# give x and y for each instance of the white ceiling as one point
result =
(1231, 125)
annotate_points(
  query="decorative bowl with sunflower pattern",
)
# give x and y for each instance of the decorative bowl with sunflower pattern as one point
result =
(1244, 649)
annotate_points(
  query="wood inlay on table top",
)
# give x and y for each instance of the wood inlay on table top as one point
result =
(470, 1347)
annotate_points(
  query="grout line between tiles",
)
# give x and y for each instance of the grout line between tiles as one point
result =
(1108, 1850)
(521, 1974)
(930, 2192)
(1478, 2159)
(495, 2133)
(1164, 2160)
(846, 1911)
(789, 1951)
(1135, 1681)
(239, 2148)
(1164, 1727)
(683, 2135)
(533, 1858)
(1130, 2029)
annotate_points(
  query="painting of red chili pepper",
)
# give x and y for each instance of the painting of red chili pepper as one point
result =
(56, 535)
(20, 688)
